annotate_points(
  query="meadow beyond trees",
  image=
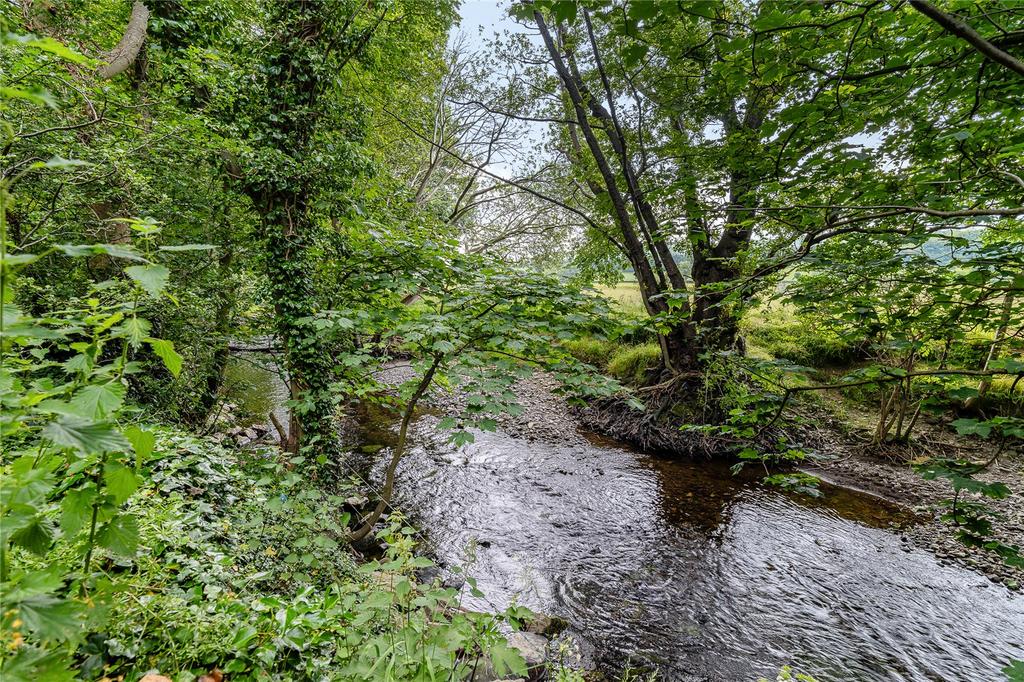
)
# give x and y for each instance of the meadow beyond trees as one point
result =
(250, 250)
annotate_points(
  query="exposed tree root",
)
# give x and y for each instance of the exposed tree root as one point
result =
(670, 405)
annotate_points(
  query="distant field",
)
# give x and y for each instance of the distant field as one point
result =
(626, 295)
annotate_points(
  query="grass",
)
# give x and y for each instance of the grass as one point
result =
(626, 297)
(632, 363)
(626, 362)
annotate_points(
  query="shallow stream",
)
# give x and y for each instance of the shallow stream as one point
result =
(683, 567)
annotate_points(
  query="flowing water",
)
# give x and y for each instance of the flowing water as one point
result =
(682, 567)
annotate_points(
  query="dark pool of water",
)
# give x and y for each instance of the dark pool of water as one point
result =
(682, 567)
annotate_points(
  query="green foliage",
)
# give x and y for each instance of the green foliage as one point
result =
(797, 339)
(591, 350)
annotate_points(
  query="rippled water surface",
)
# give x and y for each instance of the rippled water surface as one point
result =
(681, 566)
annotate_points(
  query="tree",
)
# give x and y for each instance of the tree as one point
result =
(725, 130)
(303, 136)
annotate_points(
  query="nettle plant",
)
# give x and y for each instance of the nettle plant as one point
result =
(72, 453)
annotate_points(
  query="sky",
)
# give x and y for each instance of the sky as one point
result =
(490, 16)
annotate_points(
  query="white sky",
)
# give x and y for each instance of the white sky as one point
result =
(483, 18)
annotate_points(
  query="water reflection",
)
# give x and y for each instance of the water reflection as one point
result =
(703, 575)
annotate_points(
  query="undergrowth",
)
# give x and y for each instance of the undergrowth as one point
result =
(241, 568)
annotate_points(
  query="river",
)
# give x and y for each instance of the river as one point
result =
(681, 567)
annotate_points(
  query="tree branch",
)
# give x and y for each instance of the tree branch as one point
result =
(122, 56)
(960, 29)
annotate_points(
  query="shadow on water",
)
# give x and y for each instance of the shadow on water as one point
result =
(683, 567)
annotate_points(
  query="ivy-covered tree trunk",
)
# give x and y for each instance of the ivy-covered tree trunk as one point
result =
(279, 183)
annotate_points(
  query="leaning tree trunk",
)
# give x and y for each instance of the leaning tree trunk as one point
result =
(127, 50)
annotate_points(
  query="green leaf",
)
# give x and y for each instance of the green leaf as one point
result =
(36, 537)
(76, 509)
(189, 247)
(564, 10)
(121, 481)
(643, 9)
(152, 278)
(443, 346)
(36, 95)
(85, 436)
(135, 329)
(507, 660)
(33, 664)
(46, 44)
(51, 619)
(61, 162)
(972, 427)
(142, 442)
(113, 250)
(98, 401)
(632, 55)
(165, 351)
(120, 535)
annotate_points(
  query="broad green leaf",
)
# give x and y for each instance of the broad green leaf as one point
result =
(165, 351)
(189, 247)
(142, 442)
(34, 664)
(52, 619)
(135, 329)
(33, 584)
(113, 250)
(36, 537)
(120, 535)
(85, 436)
(120, 481)
(76, 509)
(61, 162)
(98, 401)
(507, 661)
(51, 45)
(36, 95)
(152, 278)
